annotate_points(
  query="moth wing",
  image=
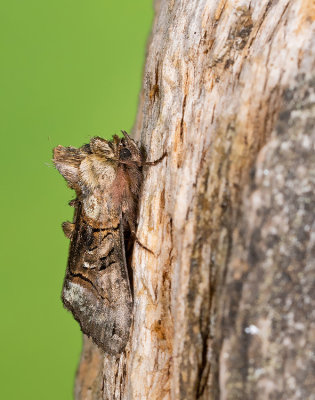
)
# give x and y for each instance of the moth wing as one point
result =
(100, 297)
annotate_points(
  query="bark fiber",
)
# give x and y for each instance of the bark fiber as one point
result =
(224, 309)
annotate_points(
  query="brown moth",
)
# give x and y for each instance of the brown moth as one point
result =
(106, 176)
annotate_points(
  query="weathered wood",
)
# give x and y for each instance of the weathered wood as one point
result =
(223, 309)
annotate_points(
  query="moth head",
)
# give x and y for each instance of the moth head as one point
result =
(128, 150)
(91, 165)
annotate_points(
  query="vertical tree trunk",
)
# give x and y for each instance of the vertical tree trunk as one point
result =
(223, 309)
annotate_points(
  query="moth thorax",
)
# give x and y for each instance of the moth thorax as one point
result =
(98, 210)
(96, 172)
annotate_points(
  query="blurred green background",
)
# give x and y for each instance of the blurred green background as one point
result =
(69, 70)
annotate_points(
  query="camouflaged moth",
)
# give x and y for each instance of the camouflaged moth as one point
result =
(106, 176)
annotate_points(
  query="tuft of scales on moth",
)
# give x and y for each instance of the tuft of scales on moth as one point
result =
(106, 176)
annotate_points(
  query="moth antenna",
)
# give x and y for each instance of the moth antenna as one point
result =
(126, 135)
(116, 141)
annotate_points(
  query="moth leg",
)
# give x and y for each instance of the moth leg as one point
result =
(68, 229)
(141, 244)
(150, 163)
(73, 203)
(134, 236)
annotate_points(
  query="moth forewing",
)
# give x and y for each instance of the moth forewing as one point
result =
(96, 289)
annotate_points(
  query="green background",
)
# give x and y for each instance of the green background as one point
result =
(69, 70)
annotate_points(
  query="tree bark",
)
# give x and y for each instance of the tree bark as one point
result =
(224, 309)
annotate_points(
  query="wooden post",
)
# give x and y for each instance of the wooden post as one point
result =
(223, 309)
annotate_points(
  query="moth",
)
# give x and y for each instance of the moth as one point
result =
(106, 176)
